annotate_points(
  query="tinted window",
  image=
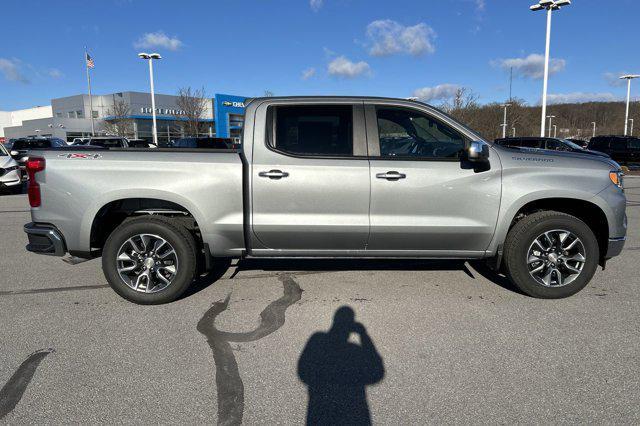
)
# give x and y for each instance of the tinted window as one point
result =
(618, 144)
(115, 142)
(27, 144)
(410, 133)
(531, 143)
(314, 130)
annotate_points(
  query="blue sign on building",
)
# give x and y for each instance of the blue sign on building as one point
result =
(229, 115)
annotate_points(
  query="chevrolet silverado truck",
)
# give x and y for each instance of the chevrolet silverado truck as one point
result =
(329, 177)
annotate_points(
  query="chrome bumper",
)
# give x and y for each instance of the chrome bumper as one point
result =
(44, 239)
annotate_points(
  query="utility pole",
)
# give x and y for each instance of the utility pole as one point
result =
(628, 77)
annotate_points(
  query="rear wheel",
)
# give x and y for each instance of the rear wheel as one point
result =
(551, 255)
(149, 260)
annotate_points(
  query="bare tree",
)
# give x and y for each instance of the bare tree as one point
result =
(463, 105)
(268, 94)
(119, 121)
(192, 104)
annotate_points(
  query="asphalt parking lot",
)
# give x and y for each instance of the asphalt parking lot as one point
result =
(439, 343)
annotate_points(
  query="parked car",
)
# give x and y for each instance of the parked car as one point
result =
(623, 149)
(330, 177)
(140, 143)
(21, 146)
(10, 173)
(552, 144)
(204, 143)
(104, 141)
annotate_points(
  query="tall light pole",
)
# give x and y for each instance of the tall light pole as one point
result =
(628, 77)
(549, 6)
(504, 121)
(550, 117)
(594, 128)
(555, 131)
(150, 57)
(631, 132)
(514, 131)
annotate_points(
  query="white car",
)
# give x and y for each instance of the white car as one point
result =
(10, 174)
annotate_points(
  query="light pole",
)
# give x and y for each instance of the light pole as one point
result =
(514, 131)
(504, 121)
(631, 130)
(628, 77)
(550, 117)
(555, 131)
(594, 128)
(150, 57)
(550, 6)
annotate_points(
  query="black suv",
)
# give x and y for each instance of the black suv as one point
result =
(625, 150)
(546, 143)
(21, 146)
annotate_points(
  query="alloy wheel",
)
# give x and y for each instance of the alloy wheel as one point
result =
(556, 258)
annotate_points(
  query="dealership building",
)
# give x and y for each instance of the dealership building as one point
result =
(70, 117)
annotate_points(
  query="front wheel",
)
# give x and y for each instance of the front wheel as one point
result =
(551, 255)
(149, 260)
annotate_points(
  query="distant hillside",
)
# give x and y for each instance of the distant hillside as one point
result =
(572, 120)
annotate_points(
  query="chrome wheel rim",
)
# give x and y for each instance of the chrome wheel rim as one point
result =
(556, 258)
(147, 263)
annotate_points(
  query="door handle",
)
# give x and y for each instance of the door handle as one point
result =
(393, 175)
(274, 174)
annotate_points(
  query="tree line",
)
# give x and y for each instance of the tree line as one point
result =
(572, 120)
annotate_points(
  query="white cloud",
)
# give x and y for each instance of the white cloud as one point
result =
(308, 73)
(440, 92)
(10, 68)
(343, 67)
(613, 78)
(532, 66)
(388, 37)
(157, 39)
(316, 5)
(55, 73)
(480, 5)
(580, 97)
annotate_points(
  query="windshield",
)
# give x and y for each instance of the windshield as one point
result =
(572, 144)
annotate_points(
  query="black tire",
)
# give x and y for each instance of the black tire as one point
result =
(175, 234)
(523, 234)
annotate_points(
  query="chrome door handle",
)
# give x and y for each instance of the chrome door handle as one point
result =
(274, 174)
(393, 175)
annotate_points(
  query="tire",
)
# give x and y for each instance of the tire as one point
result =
(154, 230)
(518, 254)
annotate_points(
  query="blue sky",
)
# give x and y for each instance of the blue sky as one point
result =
(399, 48)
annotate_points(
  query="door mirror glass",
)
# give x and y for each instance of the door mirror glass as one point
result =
(14, 153)
(477, 151)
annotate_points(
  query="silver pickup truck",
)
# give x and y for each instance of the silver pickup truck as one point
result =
(329, 177)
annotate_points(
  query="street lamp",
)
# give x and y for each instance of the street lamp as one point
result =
(555, 131)
(550, 6)
(550, 117)
(628, 77)
(504, 122)
(594, 128)
(150, 57)
(514, 131)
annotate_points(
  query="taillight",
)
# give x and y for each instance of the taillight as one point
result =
(34, 165)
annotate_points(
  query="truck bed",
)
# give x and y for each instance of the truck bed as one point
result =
(77, 184)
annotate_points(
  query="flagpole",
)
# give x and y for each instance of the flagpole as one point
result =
(86, 65)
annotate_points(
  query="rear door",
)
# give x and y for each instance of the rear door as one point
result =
(424, 196)
(310, 179)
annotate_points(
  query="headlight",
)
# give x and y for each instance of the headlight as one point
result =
(617, 179)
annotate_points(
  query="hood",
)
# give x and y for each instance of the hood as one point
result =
(568, 156)
(7, 161)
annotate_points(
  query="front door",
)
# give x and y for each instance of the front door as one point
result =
(424, 196)
(310, 181)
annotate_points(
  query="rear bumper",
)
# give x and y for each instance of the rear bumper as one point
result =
(615, 247)
(45, 239)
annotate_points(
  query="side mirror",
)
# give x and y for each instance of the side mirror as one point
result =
(477, 152)
(14, 153)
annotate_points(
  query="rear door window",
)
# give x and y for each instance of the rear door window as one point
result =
(310, 130)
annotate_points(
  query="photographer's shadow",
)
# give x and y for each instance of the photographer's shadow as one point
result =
(337, 372)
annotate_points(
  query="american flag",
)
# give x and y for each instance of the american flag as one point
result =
(90, 63)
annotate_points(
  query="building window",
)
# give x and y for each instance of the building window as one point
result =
(79, 114)
(71, 114)
(94, 114)
(59, 114)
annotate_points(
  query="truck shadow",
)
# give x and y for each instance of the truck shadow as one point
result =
(335, 265)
